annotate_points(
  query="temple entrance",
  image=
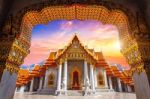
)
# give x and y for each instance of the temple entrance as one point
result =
(75, 84)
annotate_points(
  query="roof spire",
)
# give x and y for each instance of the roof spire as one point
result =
(75, 33)
(75, 37)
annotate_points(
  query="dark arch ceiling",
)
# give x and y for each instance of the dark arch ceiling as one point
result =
(6, 5)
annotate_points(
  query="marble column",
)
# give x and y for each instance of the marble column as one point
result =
(22, 88)
(125, 86)
(46, 79)
(119, 84)
(110, 82)
(31, 85)
(65, 76)
(92, 77)
(8, 85)
(141, 85)
(95, 78)
(41, 83)
(105, 79)
(59, 78)
(86, 78)
(129, 88)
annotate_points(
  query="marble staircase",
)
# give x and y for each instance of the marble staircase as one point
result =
(72, 92)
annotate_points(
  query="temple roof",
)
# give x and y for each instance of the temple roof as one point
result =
(75, 42)
(25, 76)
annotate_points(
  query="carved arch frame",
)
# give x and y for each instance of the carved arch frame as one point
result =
(109, 13)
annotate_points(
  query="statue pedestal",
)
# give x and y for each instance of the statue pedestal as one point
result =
(60, 92)
(89, 92)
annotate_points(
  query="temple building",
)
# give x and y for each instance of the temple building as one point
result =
(74, 68)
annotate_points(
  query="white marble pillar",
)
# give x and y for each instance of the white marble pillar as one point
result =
(41, 83)
(110, 82)
(126, 88)
(105, 79)
(86, 78)
(59, 78)
(65, 75)
(119, 84)
(31, 85)
(46, 79)
(129, 88)
(95, 78)
(22, 88)
(7, 85)
(92, 77)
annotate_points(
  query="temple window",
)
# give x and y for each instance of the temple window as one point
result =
(100, 79)
(51, 79)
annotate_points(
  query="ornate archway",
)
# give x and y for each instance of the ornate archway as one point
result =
(134, 38)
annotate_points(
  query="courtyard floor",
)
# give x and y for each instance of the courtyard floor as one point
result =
(108, 95)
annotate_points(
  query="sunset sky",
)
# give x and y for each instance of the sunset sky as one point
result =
(57, 34)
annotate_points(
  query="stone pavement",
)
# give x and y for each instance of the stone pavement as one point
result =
(107, 95)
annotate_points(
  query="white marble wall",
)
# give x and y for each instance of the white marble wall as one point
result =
(54, 71)
(7, 85)
(97, 71)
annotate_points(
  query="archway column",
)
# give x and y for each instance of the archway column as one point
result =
(141, 75)
(141, 85)
(11, 57)
(138, 58)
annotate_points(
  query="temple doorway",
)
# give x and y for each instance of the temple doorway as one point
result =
(75, 81)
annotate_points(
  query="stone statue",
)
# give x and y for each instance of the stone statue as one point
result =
(87, 84)
(63, 84)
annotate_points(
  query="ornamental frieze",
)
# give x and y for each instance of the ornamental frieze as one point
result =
(38, 7)
(4, 51)
(12, 68)
(137, 69)
(146, 66)
(77, 56)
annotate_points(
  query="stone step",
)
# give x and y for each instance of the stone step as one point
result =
(74, 92)
(104, 90)
(46, 91)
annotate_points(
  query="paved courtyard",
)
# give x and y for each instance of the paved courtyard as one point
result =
(108, 95)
